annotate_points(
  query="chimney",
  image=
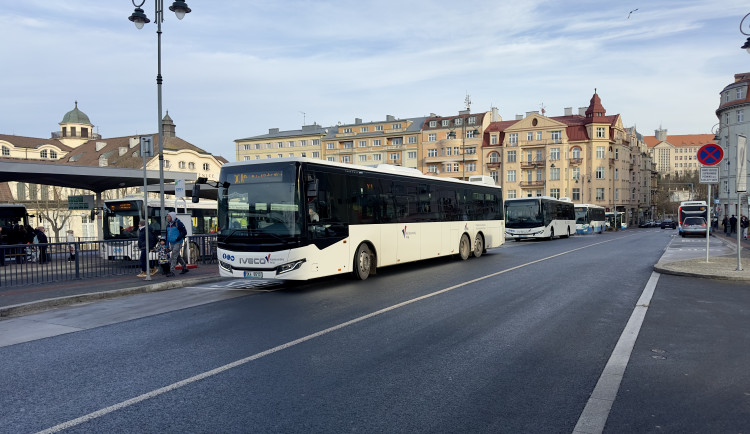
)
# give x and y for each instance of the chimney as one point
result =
(495, 115)
(390, 118)
(519, 117)
(357, 121)
(273, 131)
(568, 111)
(531, 113)
(100, 146)
(582, 111)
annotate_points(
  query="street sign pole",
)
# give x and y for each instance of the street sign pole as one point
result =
(708, 223)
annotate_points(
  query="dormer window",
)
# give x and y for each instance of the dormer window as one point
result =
(53, 154)
(43, 154)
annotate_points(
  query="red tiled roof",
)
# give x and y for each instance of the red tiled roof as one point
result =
(681, 140)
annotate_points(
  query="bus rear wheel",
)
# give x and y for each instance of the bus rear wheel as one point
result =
(478, 245)
(464, 247)
(362, 262)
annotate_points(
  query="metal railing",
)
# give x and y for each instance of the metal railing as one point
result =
(27, 264)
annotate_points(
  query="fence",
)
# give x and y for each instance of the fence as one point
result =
(27, 264)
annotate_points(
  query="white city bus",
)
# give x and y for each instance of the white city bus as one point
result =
(298, 218)
(590, 219)
(539, 217)
(121, 217)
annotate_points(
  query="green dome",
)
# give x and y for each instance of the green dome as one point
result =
(75, 116)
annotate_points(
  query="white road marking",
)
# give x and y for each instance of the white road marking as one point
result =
(240, 362)
(597, 409)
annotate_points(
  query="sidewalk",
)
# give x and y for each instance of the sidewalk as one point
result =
(722, 266)
(33, 298)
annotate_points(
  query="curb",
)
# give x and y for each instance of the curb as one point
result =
(51, 303)
(666, 270)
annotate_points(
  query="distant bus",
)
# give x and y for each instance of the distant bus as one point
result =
(121, 217)
(590, 219)
(12, 216)
(620, 222)
(691, 208)
(539, 217)
(299, 218)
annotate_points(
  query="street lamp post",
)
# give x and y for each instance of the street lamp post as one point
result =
(139, 18)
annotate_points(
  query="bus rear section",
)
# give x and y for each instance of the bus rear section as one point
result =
(298, 219)
(692, 208)
(590, 219)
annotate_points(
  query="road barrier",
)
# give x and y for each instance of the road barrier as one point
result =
(27, 264)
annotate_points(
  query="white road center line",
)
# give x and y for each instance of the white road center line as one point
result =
(216, 371)
(597, 408)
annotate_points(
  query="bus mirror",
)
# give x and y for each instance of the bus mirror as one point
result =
(312, 189)
(196, 191)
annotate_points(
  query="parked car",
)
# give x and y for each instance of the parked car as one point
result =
(668, 224)
(693, 226)
(646, 224)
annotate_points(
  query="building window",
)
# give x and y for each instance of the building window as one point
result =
(412, 140)
(316, 142)
(432, 137)
(455, 167)
(181, 165)
(433, 124)
(494, 175)
(347, 130)
(600, 152)
(247, 158)
(511, 176)
(6, 150)
(329, 145)
(395, 156)
(362, 157)
(280, 155)
(554, 174)
(396, 126)
(617, 173)
(291, 143)
(599, 194)
(530, 136)
(471, 151)
(346, 158)
(554, 192)
(740, 116)
(377, 157)
(576, 194)
(470, 134)
(363, 143)
(576, 172)
(472, 120)
(511, 156)
(556, 136)
(599, 172)
(20, 191)
(167, 164)
(376, 142)
(554, 153)
(739, 93)
(494, 157)
(432, 153)
(316, 154)
(513, 139)
(411, 154)
(378, 128)
(600, 131)
(511, 194)
(364, 129)
(432, 168)
(539, 135)
(191, 165)
(206, 166)
(348, 145)
(331, 158)
(445, 123)
(279, 144)
(43, 153)
(303, 142)
(471, 167)
(448, 167)
(397, 141)
(458, 122)
(576, 152)
(493, 139)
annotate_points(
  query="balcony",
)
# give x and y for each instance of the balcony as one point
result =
(531, 184)
(89, 135)
(532, 163)
(575, 161)
(494, 164)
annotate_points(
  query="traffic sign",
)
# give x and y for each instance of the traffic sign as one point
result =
(709, 175)
(710, 154)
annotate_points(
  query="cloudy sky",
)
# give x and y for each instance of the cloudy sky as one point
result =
(235, 68)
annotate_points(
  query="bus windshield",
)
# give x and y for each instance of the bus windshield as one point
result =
(582, 215)
(523, 214)
(263, 203)
(121, 220)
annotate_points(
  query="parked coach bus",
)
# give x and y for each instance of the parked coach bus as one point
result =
(539, 217)
(590, 219)
(298, 218)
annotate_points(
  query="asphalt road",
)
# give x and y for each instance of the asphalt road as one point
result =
(514, 341)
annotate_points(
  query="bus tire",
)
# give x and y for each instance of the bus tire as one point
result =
(478, 245)
(567, 236)
(464, 247)
(362, 262)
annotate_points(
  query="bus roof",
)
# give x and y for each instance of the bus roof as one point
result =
(588, 205)
(377, 169)
(536, 198)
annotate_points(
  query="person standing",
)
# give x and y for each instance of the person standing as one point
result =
(733, 224)
(176, 233)
(2, 249)
(142, 228)
(725, 224)
(744, 223)
(71, 239)
(42, 240)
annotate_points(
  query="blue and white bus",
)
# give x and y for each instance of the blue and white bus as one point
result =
(300, 218)
(590, 219)
(539, 217)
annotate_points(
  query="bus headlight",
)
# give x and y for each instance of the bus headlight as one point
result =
(225, 266)
(291, 266)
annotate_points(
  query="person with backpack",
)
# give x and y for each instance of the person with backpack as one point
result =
(744, 223)
(142, 228)
(176, 233)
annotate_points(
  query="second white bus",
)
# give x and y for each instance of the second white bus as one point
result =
(590, 219)
(539, 217)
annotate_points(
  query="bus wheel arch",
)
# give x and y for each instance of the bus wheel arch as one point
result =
(464, 247)
(479, 245)
(365, 260)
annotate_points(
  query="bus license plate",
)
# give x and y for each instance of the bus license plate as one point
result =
(254, 274)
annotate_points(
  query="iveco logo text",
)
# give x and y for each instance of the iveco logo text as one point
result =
(258, 261)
